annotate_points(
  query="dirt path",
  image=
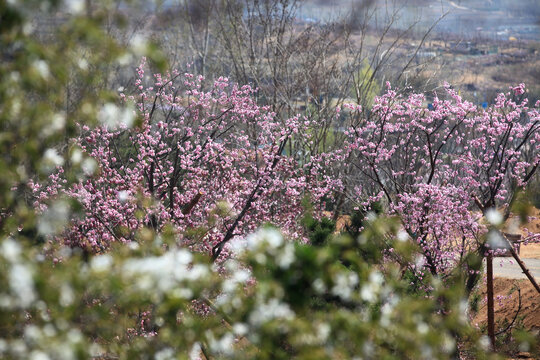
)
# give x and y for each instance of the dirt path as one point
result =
(511, 270)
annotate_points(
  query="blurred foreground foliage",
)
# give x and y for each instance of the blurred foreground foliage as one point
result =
(275, 300)
(53, 76)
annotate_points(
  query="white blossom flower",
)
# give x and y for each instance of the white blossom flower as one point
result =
(402, 236)
(273, 309)
(223, 345)
(66, 295)
(42, 68)
(32, 333)
(287, 257)
(165, 271)
(367, 293)
(484, 342)
(57, 123)
(38, 355)
(165, 354)
(319, 286)
(323, 331)
(89, 166)
(344, 285)
(76, 156)
(11, 249)
(422, 328)
(496, 241)
(101, 263)
(54, 219)
(494, 217)
(75, 7)
(123, 196)
(124, 59)
(139, 44)
(240, 329)
(21, 282)
(113, 116)
(195, 353)
(376, 278)
(271, 236)
(51, 159)
(83, 64)
(448, 344)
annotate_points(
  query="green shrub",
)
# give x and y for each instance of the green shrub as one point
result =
(276, 300)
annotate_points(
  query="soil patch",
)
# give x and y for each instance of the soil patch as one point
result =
(507, 306)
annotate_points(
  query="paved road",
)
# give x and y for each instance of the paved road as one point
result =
(512, 270)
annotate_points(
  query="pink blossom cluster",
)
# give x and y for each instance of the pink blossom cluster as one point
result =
(440, 167)
(209, 160)
(216, 161)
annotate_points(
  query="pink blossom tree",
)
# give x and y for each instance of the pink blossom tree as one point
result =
(215, 165)
(211, 160)
(434, 167)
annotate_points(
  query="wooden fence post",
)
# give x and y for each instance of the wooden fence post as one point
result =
(490, 310)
